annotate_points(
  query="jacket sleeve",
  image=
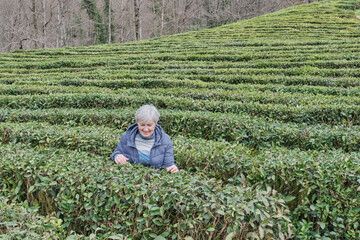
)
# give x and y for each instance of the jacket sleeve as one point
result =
(120, 148)
(169, 155)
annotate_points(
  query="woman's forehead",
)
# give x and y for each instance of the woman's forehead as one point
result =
(145, 122)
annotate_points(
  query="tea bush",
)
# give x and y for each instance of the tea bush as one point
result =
(337, 113)
(250, 131)
(92, 195)
(19, 221)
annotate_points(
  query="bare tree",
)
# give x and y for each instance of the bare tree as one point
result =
(13, 27)
(109, 22)
(44, 22)
(137, 27)
(62, 10)
(33, 9)
(59, 23)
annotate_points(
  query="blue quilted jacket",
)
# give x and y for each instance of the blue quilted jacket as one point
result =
(161, 154)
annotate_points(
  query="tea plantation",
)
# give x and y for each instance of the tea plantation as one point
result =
(264, 115)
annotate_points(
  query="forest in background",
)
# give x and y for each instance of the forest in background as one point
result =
(32, 24)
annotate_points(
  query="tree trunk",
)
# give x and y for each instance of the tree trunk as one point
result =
(137, 19)
(109, 23)
(60, 33)
(162, 17)
(44, 24)
(35, 24)
(122, 31)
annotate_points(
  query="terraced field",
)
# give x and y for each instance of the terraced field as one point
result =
(264, 115)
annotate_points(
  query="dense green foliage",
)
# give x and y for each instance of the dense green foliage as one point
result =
(264, 115)
(95, 195)
(24, 222)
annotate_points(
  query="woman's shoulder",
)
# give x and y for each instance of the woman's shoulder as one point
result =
(165, 138)
(129, 133)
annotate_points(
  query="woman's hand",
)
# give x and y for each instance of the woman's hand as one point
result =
(121, 159)
(172, 168)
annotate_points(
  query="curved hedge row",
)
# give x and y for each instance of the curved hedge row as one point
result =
(35, 86)
(112, 76)
(330, 81)
(215, 58)
(302, 177)
(137, 201)
(42, 89)
(321, 188)
(247, 95)
(239, 95)
(331, 114)
(195, 84)
(252, 132)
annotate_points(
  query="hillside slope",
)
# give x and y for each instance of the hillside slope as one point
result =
(263, 113)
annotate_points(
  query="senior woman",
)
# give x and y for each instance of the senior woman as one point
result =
(146, 142)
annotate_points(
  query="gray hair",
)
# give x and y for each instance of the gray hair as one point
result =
(147, 113)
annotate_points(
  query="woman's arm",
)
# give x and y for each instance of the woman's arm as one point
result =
(119, 149)
(169, 162)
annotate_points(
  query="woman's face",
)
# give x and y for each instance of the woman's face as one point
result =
(146, 128)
